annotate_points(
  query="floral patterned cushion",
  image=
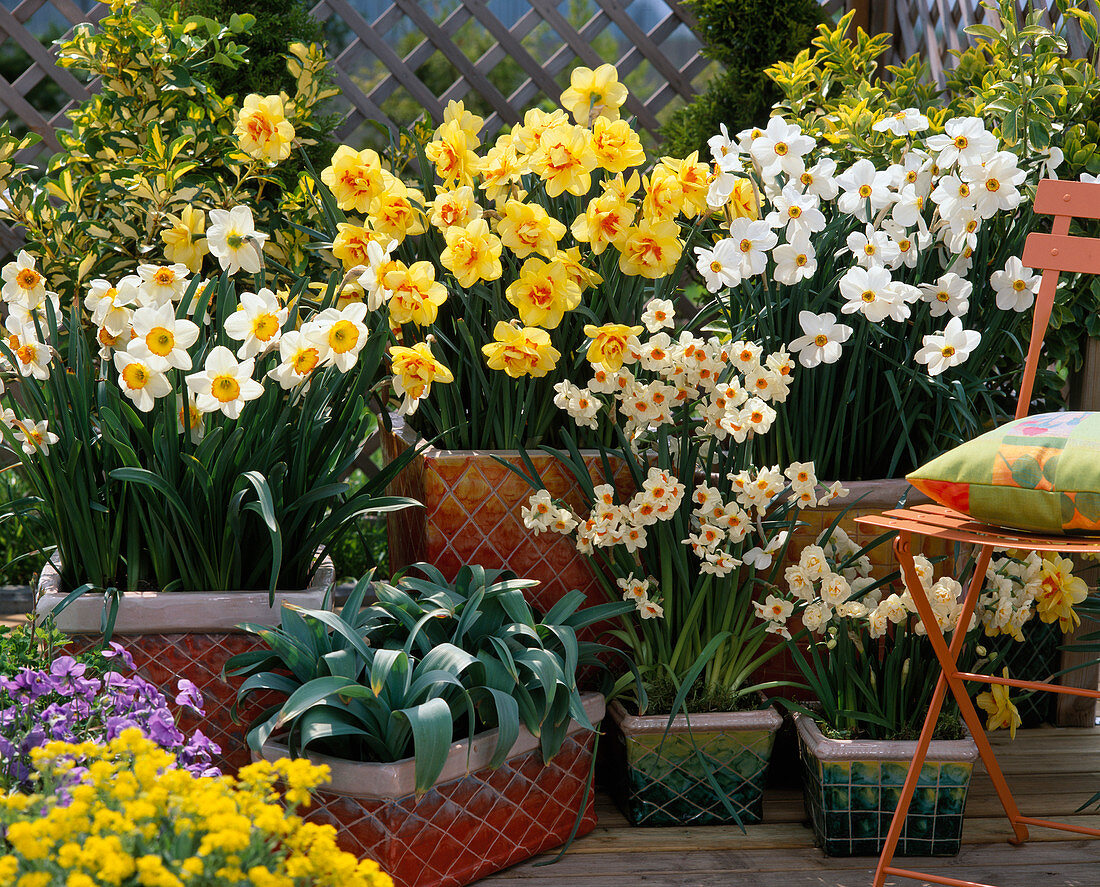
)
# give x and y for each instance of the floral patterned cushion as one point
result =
(1039, 473)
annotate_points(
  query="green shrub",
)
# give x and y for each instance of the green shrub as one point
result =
(745, 36)
(278, 24)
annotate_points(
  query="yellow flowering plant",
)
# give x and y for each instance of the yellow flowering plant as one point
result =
(133, 817)
(494, 262)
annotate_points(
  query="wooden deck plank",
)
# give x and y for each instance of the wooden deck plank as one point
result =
(1051, 771)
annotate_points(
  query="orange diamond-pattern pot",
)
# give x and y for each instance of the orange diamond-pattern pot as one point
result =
(472, 515)
(470, 823)
(189, 635)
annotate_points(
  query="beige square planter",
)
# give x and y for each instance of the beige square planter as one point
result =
(852, 786)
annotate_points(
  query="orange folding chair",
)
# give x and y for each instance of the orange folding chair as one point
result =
(1052, 254)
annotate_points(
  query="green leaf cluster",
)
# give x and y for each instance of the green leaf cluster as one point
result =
(744, 37)
(154, 139)
(428, 662)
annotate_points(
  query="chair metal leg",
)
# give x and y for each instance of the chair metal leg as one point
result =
(948, 658)
(948, 679)
(910, 785)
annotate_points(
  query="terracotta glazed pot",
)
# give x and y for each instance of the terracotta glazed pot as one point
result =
(474, 821)
(851, 789)
(471, 515)
(661, 781)
(187, 634)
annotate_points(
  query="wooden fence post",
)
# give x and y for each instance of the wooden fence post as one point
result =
(1076, 711)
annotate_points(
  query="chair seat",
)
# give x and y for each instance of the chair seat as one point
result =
(940, 522)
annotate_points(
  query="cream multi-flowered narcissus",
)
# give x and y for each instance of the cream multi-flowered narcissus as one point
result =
(720, 393)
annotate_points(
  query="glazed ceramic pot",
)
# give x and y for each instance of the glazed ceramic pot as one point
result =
(851, 789)
(661, 780)
(474, 821)
(187, 634)
(471, 515)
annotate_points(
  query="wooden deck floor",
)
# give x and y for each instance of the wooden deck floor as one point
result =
(1051, 771)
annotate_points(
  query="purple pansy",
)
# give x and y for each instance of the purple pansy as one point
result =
(71, 704)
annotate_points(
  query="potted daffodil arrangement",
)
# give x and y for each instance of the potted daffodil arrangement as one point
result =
(186, 437)
(872, 671)
(688, 538)
(490, 262)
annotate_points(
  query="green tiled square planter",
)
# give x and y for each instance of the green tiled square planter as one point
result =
(661, 780)
(851, 789)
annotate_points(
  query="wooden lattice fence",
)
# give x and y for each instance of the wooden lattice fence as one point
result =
(512, 55)
(398, 59)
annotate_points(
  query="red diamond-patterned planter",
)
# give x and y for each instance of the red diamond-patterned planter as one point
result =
(474, 821)
(471, 515)
(191, 635)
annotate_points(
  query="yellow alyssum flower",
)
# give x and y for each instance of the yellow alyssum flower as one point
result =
(527, 228)
(616, 146)
(452, 153)
(457, 207)
(183, 239)
(262, 129)
(472, 253)
(417, 295)
(397, 212)
(354, 177)
(1002, 713)
(651, 249)
(1059, 592)
(564, 160)
(609, 343)
(593, 94)
(351, 243)
(414, 371)
(607, 219)
(542, 293)
(521, 351)
(135, 817)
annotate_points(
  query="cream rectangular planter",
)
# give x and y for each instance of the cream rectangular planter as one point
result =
(851, 789)
(190, 635)
(474, 821)
(661, 780)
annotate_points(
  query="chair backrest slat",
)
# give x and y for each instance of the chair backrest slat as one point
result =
(1052, 254)
(1081, 200)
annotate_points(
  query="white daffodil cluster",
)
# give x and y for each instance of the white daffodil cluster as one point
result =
(779, 190)
(1008, 598)
(832, 585)
(144, 336)
(705, 393)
